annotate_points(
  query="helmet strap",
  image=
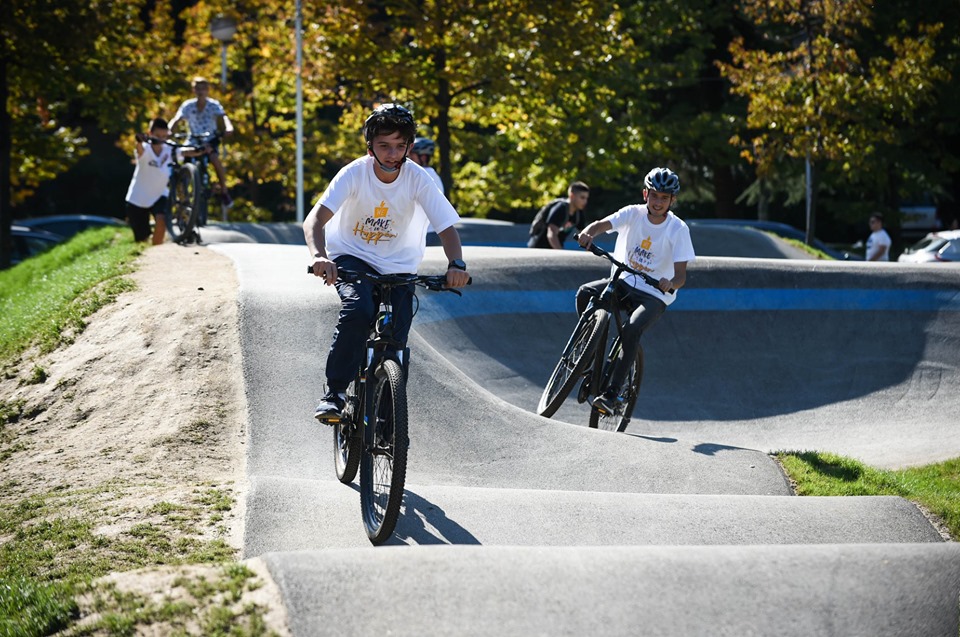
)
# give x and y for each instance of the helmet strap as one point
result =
(385, 169)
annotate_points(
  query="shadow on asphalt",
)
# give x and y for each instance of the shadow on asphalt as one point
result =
(417, 513)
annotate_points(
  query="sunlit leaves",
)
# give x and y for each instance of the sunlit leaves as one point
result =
(811, 94)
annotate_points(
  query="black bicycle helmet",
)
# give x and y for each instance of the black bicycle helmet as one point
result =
(423, 146)
(662, 180)
(387, 119)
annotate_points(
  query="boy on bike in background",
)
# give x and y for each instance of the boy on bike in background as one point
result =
(650, 239)
(373, 217)
(421, 152)
(203, 115)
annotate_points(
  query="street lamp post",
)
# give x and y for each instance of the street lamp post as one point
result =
(299, 159)
(223, 28)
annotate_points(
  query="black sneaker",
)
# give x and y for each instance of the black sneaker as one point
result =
(606, 403)
(330, 409)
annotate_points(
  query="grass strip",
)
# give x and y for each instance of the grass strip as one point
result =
(936, 487)
(45, 300)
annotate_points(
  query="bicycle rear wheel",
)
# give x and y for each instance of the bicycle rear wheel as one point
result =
(184, 204)
(383, 463)
(573, 361)
(627, 393)
(347, 437)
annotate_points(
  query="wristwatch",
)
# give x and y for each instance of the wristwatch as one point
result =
(458, 264)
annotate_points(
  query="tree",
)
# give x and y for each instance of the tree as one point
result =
(61, 63)
(813, 96)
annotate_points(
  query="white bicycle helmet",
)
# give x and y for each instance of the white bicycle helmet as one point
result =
(662, 180)
(423, 146)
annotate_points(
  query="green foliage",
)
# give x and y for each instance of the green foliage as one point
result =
(822, 86)
(936, 486)
(46, 299)
(75, 59)
(521, 96)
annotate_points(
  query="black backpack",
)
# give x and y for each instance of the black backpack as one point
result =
(539, 224)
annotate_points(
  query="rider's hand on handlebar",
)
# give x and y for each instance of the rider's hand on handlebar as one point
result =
(457, 278)
(325, 269)
(584, 240)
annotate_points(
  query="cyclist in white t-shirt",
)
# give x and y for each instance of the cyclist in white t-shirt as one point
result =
(650, 239)
(421, 151)
(206, 115)
(373, 217)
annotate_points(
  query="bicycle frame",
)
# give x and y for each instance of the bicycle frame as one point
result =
(372, 433)
(585, 356)
(202, 163)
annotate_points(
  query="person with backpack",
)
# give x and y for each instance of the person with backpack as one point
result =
(559, 218)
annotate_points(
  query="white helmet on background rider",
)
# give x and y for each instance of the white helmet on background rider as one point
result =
(423, 146)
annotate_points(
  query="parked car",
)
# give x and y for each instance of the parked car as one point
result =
(28, 242)
(68, 225)
(933, 248)
(782, 230)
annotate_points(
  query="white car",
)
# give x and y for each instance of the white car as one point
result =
(935, 247)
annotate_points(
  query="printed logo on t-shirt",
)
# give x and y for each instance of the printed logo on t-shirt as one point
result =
(376, 228)
(641, 257)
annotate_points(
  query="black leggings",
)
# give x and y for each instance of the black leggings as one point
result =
(644, 310)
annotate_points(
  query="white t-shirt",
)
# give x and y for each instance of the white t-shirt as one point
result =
(383, 224)
(651, 248)
(200, 122)
(878, 239)
(150, 176)
(435, 176)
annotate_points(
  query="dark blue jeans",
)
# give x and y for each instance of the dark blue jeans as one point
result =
(644, 310)
(358, 309)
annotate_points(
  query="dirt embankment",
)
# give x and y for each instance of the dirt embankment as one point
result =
(149, 400)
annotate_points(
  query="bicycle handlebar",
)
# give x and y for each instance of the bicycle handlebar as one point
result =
(436, 283)
(600, 252)
(204, 138)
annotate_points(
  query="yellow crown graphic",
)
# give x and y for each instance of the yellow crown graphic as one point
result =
(380, 211)
(646, 243)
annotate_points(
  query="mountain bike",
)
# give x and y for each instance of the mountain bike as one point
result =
(190, 187)
(372, 434)
(205, 188)
(587, 359)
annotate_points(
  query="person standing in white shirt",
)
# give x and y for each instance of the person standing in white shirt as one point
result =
(147, 193)
(878, 243)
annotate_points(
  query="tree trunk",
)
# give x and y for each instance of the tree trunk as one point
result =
(724, 188)
(443, 121)
(6, 159)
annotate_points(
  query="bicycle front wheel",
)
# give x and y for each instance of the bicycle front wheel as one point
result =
(573, 362)
(627, 394)
(347, 437)
(383, 463)
(184, 204)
